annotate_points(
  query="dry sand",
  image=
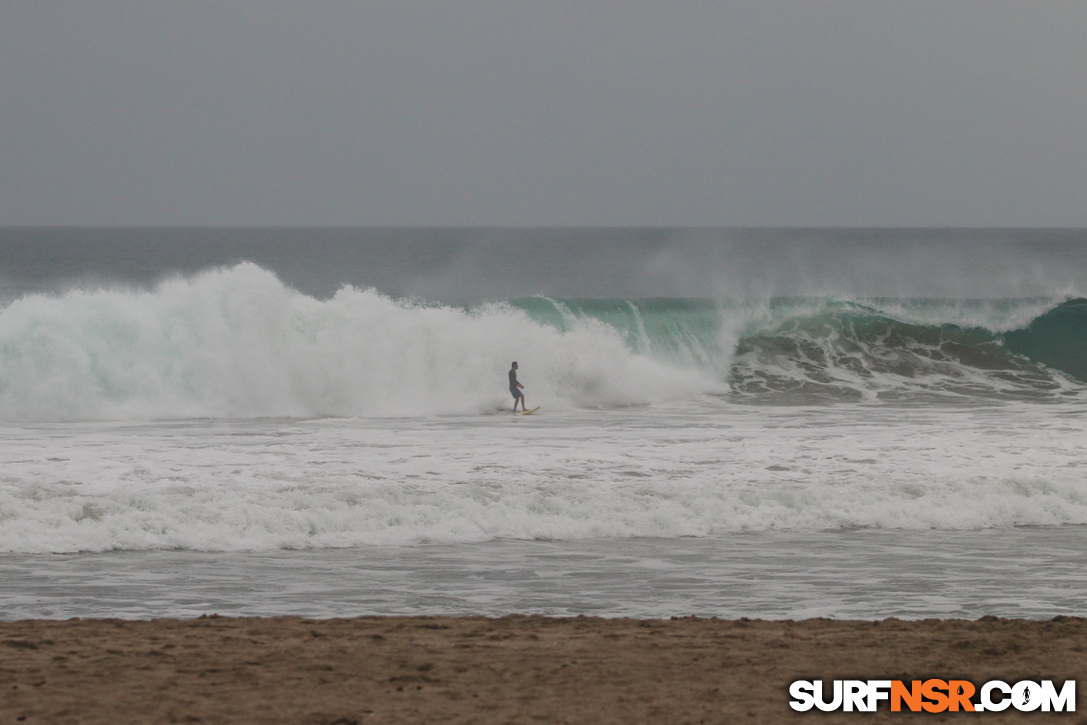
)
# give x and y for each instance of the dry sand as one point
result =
(511, 670)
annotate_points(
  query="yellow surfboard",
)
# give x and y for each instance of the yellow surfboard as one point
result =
(530, 412)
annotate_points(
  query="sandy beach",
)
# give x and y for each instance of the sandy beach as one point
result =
(515, 669)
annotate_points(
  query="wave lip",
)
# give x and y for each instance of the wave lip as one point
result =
(817, 350)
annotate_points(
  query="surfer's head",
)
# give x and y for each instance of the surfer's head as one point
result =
(514, 366)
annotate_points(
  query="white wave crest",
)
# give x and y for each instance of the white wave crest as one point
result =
(236, 342)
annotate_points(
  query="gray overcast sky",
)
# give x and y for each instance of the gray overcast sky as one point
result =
(553, 112)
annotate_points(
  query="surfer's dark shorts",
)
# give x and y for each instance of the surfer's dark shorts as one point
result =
(515, 392)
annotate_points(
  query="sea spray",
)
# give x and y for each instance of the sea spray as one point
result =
(236, 342)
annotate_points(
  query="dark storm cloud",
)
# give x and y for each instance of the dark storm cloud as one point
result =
(543, 113)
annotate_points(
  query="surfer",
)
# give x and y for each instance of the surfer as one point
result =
(515, 389)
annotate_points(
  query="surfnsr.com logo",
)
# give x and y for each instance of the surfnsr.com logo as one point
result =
(933, 696)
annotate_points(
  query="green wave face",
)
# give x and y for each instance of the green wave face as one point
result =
(680, 330)
(1057, 339)
(804, 350)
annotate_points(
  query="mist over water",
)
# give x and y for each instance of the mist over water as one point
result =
(237, 342)
(465, 265)
(120, 324)
(138, 324)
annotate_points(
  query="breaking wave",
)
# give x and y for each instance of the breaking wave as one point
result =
(237, 342)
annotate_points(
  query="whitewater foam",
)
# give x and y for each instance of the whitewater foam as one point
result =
(667, 471)
(236, 342)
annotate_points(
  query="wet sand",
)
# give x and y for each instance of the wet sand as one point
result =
(516, 669)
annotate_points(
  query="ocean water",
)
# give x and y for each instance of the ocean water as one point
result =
(764, 423)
